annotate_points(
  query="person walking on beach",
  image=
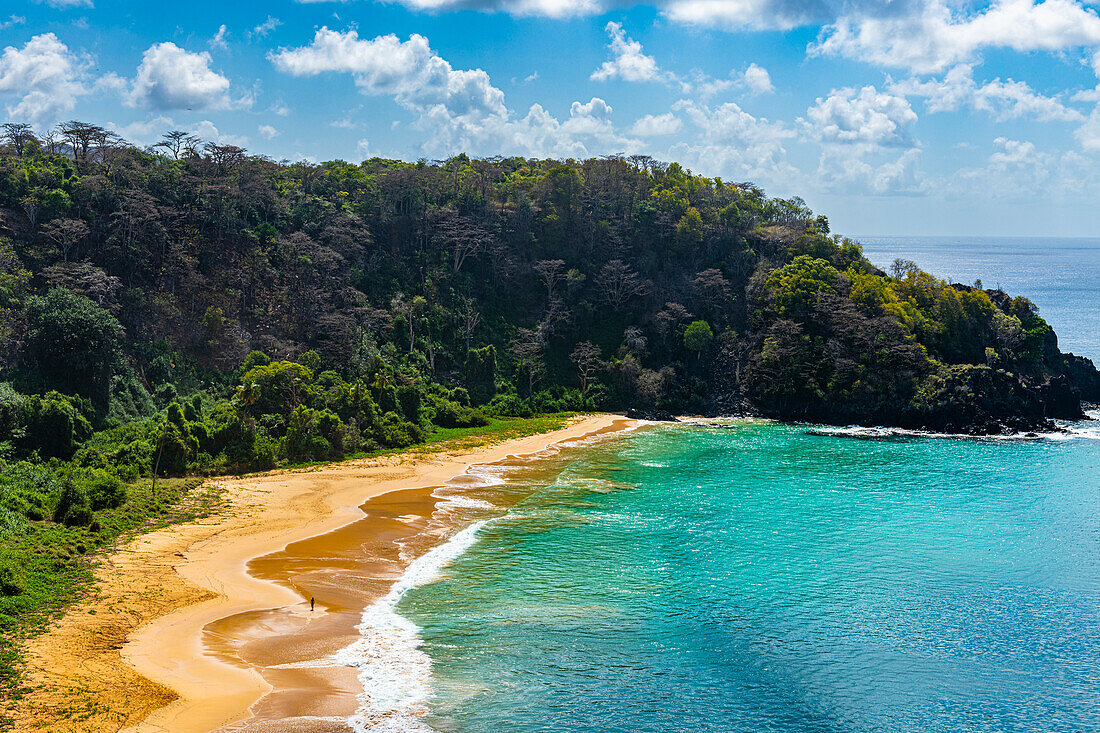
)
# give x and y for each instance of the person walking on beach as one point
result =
(311, 604)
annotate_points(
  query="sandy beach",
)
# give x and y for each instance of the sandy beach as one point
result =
(204, 626)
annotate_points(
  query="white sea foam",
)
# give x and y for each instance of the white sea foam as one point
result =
(461, 501)
(1067, 431)
(394, 671)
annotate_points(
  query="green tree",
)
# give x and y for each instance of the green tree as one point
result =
(697, 336)
(73, 344)
(276, 388)
(796, 287)
(53, 426)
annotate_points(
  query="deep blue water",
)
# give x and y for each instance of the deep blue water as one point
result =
(1062, 276)
(756, 577)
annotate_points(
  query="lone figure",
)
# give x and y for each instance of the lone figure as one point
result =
(311, 604)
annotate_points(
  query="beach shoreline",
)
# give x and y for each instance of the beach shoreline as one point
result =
(138, 654)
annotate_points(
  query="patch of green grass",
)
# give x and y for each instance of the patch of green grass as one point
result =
(498, 430)
(56, 564)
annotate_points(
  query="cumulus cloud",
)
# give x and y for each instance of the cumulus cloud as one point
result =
(268, 132)
(933, 37)
(748, 14)
(409, 71)
(841, 171)
(865, 117)
(170, 77)
(732, 142)
(1088, 134)
(1012, 153)
(541, 8)
(143, 132)
(44, 77)
(758, 80)
(628, 62)
(461, 109)
(657, 125)
(754, 80)
(207, 130)
(1005, 100)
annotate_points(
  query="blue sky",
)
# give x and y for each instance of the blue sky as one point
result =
(890, 116)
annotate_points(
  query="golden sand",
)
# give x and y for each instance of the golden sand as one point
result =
(194, 624)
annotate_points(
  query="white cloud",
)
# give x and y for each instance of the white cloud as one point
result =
(218, 41)
(747, 14)
(1005, 100)
(460, 110)
(1012, 153)
(934, 37)
(657, 125)
(754, 80)
(208, 131)
(363, 148)
(758, 80)
(266, 27)
(170, 77)
(865, 117)
(542, 8)
(628, 62)
(64, 4)
(737, 145)
(410, 71)
(44, 76)
(12, 21)
(1088, 134)
(143, 132)
(842, 170)
(268, 132)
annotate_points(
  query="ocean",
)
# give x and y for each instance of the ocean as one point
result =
(753, 576)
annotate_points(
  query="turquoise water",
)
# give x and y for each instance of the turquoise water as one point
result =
(756, 577)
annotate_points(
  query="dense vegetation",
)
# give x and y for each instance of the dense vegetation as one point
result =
(191, 309)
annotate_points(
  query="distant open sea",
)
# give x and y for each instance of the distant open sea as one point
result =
(749, 576)
(1061, 276)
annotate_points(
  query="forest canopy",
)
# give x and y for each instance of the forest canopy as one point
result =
(189, 307)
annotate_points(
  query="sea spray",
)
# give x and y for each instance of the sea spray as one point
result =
(394, 672)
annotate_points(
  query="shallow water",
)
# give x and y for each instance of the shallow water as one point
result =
(758, 577)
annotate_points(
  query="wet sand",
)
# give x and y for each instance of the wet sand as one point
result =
(215, 614)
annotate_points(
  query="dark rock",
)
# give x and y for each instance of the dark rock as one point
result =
(653, 415)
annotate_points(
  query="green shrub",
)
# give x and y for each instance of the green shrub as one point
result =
(450, 414)
(508, 405)
(104, 489)
(72, 508)
(54, 426)
(12, 578)
(313, 434)
(176, 448)
(265, 451)
(410, 398)
(393, 432)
